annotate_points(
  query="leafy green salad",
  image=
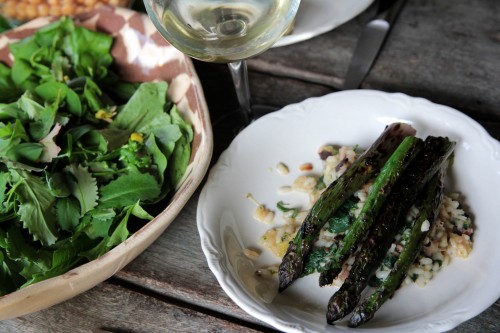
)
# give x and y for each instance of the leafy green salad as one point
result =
(82, 153)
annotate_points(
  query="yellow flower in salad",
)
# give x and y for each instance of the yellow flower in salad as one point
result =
(106, 115)
(137, 137)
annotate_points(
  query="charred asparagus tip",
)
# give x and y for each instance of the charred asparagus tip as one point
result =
(327, 278)
(283, 286)
(357, 319)
(340, 304)
(333, 314)
(285, 279)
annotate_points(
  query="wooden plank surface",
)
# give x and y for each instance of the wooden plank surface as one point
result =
(445, 51)
(110, 307)
(448, 52)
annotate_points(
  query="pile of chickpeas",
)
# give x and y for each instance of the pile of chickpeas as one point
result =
(24, 10)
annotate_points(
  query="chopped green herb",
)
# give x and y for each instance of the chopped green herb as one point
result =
(320, 185)
(282, 207)
(389, 261)
(343, 218)
(317, 259)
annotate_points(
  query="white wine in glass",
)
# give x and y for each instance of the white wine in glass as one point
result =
(227, 31)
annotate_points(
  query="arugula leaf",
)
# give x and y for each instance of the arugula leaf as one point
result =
(36, 206)
(92, 93)
(51, 91)
(4, 180)
(144, 107)
(21, 72)
(83, 186)
(43, 116)
(90, 51)
(18, 248)
(102, 219)
(182, 151)
(95, 142)
(8, 91)
(115, 138)
(186, 128)
(58, 184)
(167, 134)
(139, 212)
(11, 135)
(51, 35)
(121, 232)
(159, 159)
(6, 281)
(64, 257)
(128, 189)
(26, 152)
(67, 213)
(11, 112)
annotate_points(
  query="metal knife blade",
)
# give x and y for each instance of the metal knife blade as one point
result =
(369, 45)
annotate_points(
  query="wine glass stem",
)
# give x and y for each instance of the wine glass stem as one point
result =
(239, 73)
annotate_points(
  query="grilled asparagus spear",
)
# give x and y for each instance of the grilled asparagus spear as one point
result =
(436, 151)
(334, 196)
(428, 210)
(379, 192)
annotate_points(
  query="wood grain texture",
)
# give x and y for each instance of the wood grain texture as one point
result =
(112, 308)
(448, 52)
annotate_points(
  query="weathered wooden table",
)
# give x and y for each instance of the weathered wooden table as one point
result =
(445, 51)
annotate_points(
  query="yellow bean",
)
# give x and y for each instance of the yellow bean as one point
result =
(80, 9)
(54, 11)
(43, 9)
(21, 11)
(9, 9)
(31, 11)
(67, 10)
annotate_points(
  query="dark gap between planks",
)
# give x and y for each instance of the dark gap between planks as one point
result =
(150, 293)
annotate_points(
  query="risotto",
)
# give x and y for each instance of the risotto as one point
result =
(450, 235)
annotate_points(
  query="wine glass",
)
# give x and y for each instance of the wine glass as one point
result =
(224, 31)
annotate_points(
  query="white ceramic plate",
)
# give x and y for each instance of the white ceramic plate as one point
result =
(293, 136)
(140, 54)
(319, 16)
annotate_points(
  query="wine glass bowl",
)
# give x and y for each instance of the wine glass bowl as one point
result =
(226, 31)
(222, 30)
